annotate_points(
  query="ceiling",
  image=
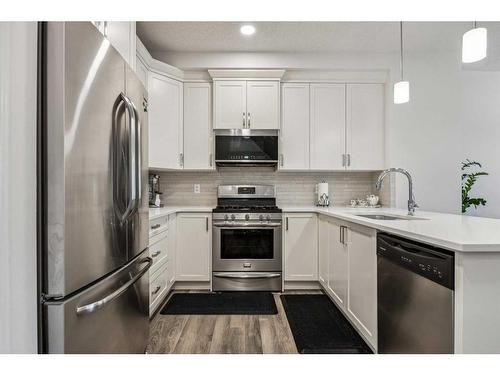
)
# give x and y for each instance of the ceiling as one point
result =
(321, 37)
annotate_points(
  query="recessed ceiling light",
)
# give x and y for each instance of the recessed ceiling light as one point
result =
(247, 29)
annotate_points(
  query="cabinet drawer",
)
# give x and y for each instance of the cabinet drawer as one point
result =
(157, 285)
(158, 225)
(158, 252)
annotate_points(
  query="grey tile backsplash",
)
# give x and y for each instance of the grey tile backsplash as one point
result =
(293, 188)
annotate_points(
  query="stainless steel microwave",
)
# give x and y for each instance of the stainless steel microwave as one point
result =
(244, 147)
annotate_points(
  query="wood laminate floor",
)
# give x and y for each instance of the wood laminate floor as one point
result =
(223, 334)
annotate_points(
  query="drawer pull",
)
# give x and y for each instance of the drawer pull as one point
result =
(156, 253)
(157, 289)
(156, 226)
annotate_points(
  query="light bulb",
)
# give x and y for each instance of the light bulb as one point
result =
(474, 45)
(401, 92)
(247, 29)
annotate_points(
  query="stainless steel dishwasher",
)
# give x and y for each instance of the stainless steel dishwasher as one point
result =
(415, 297)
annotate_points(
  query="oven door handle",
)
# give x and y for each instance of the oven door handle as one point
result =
(255, 275)
(246, 225)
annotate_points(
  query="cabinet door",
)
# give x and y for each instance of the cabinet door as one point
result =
(165, 122)
(362, 281)
(122, 36)
(365, 126)
(230, 104)
(263, 105)
(198, 126)
(142, 71)
(327, 126)
(301, 247)
(337, 266)
(294, 135)
(323, 247)
(193, 243)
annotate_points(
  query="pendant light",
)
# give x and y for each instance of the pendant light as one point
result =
(401, 88)
(474, 44)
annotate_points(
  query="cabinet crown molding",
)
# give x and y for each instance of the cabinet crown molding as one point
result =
(246, 74)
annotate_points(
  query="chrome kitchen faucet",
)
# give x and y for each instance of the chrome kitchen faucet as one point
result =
(411, 198)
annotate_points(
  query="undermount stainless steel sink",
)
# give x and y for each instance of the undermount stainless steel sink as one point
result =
(389, 217)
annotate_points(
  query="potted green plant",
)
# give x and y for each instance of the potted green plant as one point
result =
(469, 178)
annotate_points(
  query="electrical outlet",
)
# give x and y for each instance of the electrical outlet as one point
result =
(197, 188)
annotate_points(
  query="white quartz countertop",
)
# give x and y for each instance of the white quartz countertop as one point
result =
(454, 232)
(167, 210)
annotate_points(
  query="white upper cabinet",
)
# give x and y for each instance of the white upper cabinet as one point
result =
(193, 247)
(246, 104)
(121, 35)
(263, 105)
(365, 126)
(327, 127)
(301, 247)
(230, 104)
(198, 126)
(165, 122)
(142, 71)
(294, 135)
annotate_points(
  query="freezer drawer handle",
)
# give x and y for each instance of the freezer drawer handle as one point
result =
(94, 306)
(247, 276)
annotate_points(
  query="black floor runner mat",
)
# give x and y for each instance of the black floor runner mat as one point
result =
(319, 327)
(225, 303)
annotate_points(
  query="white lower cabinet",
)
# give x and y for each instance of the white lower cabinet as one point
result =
(323, 247)
(348, 272)
(193, 246)
(362, 281)
(337, 265)
(301, 247)
(158, 287)
(162, 252)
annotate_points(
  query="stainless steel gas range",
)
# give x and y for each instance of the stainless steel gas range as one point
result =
(246, 251)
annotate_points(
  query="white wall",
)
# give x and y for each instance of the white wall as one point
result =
(18, 294)
(453, 112)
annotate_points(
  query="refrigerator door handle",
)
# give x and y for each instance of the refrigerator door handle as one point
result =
(137, 156)
(132, 167)
(97, 305)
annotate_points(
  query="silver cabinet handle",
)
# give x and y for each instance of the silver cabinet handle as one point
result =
(206, 224)
(156, 226)
(155, 254)
(254, 275)
(94, 306)
(281, 159)
(105, 28)
(157, 289)
(286, 223)
(244, 119)
(348, 160)
(210, 159)
(181, 159)
(248, 122)
(340, 235)
(343, 160)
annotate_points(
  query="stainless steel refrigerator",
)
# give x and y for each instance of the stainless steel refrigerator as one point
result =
(94, 257)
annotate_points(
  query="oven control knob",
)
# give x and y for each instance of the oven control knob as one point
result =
(261, 217)
(247, 217)
(233, 217)
(268, 218)
(226, 217)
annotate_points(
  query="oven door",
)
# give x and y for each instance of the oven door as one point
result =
(247, 248)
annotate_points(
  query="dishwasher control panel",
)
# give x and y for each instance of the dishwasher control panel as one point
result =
(435, 264)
